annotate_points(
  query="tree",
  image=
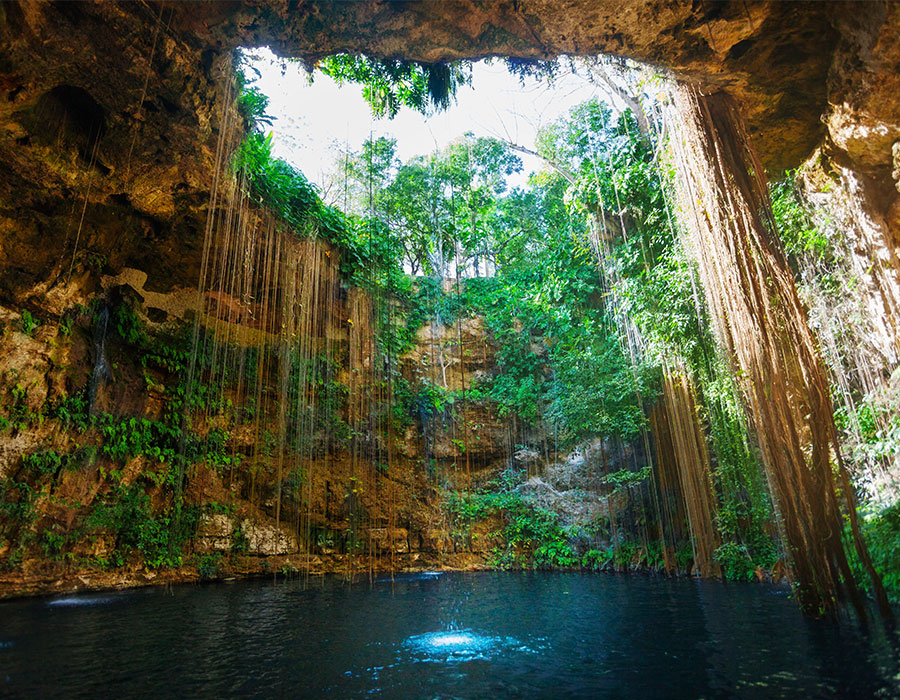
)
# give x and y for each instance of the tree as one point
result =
(477, 169)
(389, 84)
(363, 176)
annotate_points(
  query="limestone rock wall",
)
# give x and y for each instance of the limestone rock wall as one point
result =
(84, 498)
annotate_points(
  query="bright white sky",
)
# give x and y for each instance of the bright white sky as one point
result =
(313, 122)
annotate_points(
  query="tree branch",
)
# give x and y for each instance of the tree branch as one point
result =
(569, 176)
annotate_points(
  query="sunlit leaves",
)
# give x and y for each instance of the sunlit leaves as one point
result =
(389, 84)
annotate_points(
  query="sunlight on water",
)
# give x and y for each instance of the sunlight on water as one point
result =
(462, 645)
(461, 635)
(446, 640)
(75, 602)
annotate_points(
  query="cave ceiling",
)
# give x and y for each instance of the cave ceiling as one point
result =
(118, 103)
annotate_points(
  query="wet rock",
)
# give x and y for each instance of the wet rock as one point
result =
(267, 540)
(214, 534)
(527, 458)
(390, 539)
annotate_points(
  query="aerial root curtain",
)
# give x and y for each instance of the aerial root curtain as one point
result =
(684, 468)
(758, 317)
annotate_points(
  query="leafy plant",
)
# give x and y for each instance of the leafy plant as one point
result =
(881, 530)
(532, 535)
(389, 84)
(28, 323)
(157, 538)
(240, 544)
(210, 566)
(625, 478)
(45, 462)
(798, 232)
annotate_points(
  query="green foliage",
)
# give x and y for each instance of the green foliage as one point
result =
(881, 532)
(157, 538)
(127, 437)
(616, 182)
(740, 562)
(251, 102)
(446, 207)
(72, 410)
(625, 478)
(557, 353)
(431, 302)
(155, 535)
(799, 234)
(45, 462)
(128, 325)
(594, 559)
(210, 566)
(65, 324)
(370, 255)
(240, 544)
(874, 425)
(744, 509)
(16, 503)
(431, 400)
(634, 555)
(54, 543)
(389, 84)
(28, 323)
(559, 346)
(533, 538)
(596, 392)
(525, 68)
(282, 188)
(19, 414)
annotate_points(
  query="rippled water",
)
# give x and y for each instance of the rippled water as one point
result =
(485, 635)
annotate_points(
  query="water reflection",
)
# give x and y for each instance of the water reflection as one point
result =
(487, 635)
(78, 601)
(411, 576)
(461, 645)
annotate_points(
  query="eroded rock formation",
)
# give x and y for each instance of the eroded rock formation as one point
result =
(109, 111)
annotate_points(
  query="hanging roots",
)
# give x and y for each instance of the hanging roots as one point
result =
(759, 318)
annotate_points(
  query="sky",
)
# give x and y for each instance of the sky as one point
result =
(314, 121)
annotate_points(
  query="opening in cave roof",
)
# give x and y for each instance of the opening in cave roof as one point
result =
(314, 119)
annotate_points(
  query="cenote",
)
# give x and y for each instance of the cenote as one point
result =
(451, 635)
(311, 310)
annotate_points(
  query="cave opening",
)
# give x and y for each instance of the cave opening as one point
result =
(68, 114)
(473, 317)
(607, 365)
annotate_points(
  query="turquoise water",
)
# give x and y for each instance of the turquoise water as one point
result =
(454, 635)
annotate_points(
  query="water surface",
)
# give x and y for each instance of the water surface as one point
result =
(455, 635)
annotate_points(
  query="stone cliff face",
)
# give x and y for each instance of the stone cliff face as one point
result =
(80, 498)
(105, 147)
